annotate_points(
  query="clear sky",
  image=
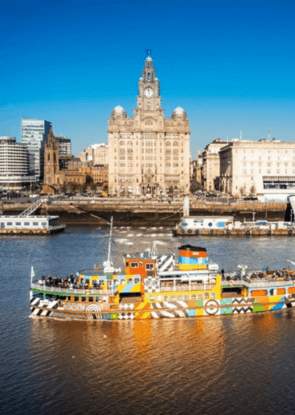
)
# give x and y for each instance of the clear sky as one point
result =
(230, 64)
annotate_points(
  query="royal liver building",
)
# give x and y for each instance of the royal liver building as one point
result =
(148, 153)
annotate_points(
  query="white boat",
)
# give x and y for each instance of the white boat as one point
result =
(27, 223)
(13, 224)
(191, 224)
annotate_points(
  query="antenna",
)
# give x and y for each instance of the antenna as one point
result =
(241, 134)
(110, 241)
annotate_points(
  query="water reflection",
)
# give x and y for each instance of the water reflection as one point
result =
(227, 365)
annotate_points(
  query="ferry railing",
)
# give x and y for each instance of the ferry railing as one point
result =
(259, 284)
(71, 291)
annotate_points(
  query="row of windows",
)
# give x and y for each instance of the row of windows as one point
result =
(149, 143)
(4, 224)
(270, 163)
(268, 171)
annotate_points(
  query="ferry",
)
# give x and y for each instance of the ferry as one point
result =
(161, 287)
(28, 224)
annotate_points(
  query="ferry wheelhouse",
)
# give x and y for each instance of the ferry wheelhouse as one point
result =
(154, 287)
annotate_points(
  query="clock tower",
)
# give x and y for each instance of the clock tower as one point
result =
(148, 152)
(148, 88)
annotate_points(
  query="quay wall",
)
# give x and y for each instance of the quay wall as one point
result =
(137, 212)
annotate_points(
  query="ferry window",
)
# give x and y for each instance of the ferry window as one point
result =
(134, 264)
(90, 299)
(193, 296)
(129, 279)
(258, 293)
(149, 266)
(210, 224)
(44, 223)
(76, 298)
(271, 291)
(9, 223)
(35, 223)
(206, 296)
(83, 298)
(18, 223)
(136, 280)
(27, 223)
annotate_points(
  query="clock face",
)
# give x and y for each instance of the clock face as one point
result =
(148, 92)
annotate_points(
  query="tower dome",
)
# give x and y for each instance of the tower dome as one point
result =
(119, 111)
(179, 112)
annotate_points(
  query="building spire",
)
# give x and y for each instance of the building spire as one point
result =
(149, 71)
(148, 53)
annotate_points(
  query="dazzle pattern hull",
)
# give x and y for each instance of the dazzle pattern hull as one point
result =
(189, 288)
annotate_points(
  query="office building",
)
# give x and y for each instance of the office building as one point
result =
(33, 134)
(14, 164)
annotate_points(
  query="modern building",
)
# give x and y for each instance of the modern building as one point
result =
(210, 171)
(64, 151)
(265, 168)
(14, 164)
(64, 146)
(97, 154)
(33, 133)
(148, 153)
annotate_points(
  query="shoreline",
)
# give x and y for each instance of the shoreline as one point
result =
(149, 212)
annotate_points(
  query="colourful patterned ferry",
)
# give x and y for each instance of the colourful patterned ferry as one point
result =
(156, 287)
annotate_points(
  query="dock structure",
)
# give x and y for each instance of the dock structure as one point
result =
(273, 229)
(25, 223)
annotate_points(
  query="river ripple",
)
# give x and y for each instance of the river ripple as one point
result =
(224, 365)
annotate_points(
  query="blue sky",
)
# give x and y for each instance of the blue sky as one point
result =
(230, 64)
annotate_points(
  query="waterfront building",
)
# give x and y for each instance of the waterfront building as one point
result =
(210, 171)
(97, 154)
(148, 153)
(196, 173)
(76, 176)
(264, 167)
(51, 163)
(14, 164)
(33, 133)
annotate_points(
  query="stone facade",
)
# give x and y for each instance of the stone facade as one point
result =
(51, 164)
(148, 153)
(256, 167)
(97, 154)
(76, 176)
(211, 165)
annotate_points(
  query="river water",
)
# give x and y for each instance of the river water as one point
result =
(224, 365)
